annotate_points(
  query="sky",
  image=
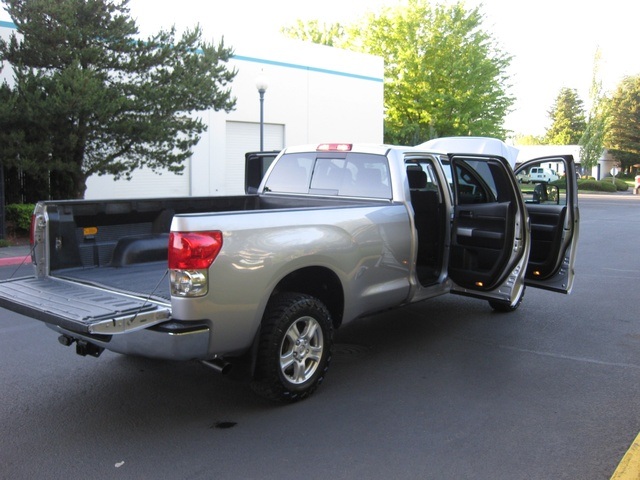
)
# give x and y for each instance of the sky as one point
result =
(553, 42)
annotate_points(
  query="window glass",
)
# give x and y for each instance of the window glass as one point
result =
(331, 175)
(291, 174)
(370, 174)
(350, 175)
(422, 176)
(481, 180)
(543, 182)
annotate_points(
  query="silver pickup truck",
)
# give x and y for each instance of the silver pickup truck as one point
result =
(333, 232)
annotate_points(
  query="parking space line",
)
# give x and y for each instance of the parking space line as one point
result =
(629, 467)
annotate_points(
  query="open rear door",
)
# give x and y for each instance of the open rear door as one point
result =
(554, 216)
(489, 234)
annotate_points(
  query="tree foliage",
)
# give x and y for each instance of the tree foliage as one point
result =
(592, 140)
(624, 137)
(568, 121)
(332, 34)
(444, 74)
(91, 97)
(528, 140)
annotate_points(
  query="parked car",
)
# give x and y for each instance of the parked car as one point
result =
(523, 177)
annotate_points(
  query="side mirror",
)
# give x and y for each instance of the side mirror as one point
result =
(543, 193)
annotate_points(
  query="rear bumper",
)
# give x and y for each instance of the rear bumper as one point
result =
(169, 341)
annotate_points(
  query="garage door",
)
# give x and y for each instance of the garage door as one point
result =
(243, 137)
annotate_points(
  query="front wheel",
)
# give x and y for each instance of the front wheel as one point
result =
(294, 349)
(501, 306)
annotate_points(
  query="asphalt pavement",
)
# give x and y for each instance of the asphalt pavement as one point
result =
(628, 467)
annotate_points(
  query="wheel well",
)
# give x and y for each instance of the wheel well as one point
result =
(318, 282)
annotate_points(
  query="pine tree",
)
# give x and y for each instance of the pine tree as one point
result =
(568, 119)
(92, 97)
(624, 138)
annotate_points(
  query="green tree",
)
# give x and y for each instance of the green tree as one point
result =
(91, 97)
(528, 140)
(332, 34)
(592, 140)
(624, 135)
(567, 119)
(444, 74)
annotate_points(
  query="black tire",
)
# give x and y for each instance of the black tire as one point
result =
(294, 349)
(506, 307)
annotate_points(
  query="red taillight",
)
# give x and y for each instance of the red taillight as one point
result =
(334, 147)
(32, 230)
(193, 250)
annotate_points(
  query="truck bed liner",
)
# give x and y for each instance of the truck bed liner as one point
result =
(95, 300)
(143, 279)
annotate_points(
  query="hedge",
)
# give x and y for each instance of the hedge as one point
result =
(18, 217)
(597, 185)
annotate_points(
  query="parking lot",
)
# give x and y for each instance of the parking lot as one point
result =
(446, 389)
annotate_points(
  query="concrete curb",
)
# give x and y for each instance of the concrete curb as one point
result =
(629, 467)
(15, 261)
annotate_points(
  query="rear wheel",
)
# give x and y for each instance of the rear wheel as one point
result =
(500, 306)
(294, 349)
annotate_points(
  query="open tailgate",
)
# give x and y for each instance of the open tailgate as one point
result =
(78, 307)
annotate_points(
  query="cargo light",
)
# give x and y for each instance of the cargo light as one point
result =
(190, 256)
(334, 147)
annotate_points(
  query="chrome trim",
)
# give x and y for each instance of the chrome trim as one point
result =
(130, 323)
(150, 343)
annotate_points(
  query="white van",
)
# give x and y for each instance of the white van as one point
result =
(542, 174)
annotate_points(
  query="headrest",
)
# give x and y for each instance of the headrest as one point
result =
(417, 178)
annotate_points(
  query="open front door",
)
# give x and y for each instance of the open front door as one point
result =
(551, 198)
(490, 238)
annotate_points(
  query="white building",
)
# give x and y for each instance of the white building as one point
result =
(315, 94)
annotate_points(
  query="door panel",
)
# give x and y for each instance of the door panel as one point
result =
(480, 235)
(546, 234)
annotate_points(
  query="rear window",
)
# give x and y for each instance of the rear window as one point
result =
(341, 174)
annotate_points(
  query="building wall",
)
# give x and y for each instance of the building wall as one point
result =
(315, 94)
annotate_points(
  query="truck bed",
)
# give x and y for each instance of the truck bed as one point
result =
(108, 260)
(147, 280)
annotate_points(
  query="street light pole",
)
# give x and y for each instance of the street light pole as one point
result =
(261, 85)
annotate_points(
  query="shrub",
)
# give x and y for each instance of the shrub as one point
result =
(596, 185)
(621, 185)
(18, 217)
